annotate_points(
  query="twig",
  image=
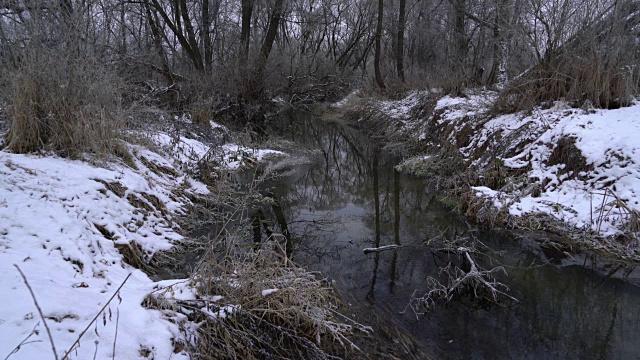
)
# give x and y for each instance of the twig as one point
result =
(95, 352)
(66, 355)
(24, 342)
(33, 296)
(115, 338)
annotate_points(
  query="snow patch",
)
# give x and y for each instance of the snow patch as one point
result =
(268, 292)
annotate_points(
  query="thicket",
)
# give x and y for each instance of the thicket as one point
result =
(75, 73)
(595, 67)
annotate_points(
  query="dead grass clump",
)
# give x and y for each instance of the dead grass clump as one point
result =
(258, 305)
(155, 202)
(115, 187)
(65, 104)
(464, 135)
(358, 110)
(616, 210)
(568, 154)
(103, 230)
(298, 320)
(133, 255)
(157, 168)
(470, 205)
(121, 151)
(139, 203)
(447, 163)
(201, 113)
(147, 202)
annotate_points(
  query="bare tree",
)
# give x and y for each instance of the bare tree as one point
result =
(400, 44)
(378, 47)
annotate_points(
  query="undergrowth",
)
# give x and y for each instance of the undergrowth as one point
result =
(256, 304)
(65, 104)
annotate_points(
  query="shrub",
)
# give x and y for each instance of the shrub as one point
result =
(598, 65)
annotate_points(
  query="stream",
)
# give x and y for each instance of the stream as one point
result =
(351, 198)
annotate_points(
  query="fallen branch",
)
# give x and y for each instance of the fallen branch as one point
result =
(381, 248)
(458, 280)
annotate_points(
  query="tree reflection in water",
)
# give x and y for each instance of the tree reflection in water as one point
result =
(352, 199)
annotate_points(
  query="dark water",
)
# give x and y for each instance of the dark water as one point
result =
(351, 199)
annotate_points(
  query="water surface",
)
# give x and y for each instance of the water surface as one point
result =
(351, 199)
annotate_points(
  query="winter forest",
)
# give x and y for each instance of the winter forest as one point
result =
(319, 179)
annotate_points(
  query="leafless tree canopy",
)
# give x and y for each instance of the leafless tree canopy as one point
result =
(217, 54)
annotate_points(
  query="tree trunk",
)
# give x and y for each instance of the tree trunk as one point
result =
(193, 43)
(123, 30)
(206, 37)
(265, 49)
(157, 41)
(245, 34)
(501, 37)
(193, 53)
(400, 45)
(460, 38)
(378, 50)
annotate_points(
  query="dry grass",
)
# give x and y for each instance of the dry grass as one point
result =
(201, 112)
(613, 208)
(602, 75)
(298, 321)
(230, 317)
(568, 154)
(233, 319)
(68, 105)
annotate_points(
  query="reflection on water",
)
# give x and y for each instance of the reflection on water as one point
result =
(353, 199)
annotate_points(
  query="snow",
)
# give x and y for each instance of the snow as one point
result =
(215, 125)
(609, 141)
(186, 151)
(496, 197)
(190, 151)
(235, 156)
(268, 292)
(401, 110)
(61, 221)
(346, 99)
(49, 212)
(454, 108)
(222, 312)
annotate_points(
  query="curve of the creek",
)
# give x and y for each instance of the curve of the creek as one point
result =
(350, 198)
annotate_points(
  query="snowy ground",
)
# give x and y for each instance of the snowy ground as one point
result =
(603, 199)
(599, 199)
(61, 221)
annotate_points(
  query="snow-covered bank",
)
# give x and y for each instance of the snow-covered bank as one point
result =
(581, 166)
(603, 194)
(65, 222)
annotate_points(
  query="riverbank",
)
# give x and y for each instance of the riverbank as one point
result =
(90, 235)
(568, 172)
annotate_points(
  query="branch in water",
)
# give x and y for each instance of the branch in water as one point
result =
(381, 248)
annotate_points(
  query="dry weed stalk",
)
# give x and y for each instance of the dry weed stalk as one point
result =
(76, 343)
(25, 341)
(44, 321)
(606, 211)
